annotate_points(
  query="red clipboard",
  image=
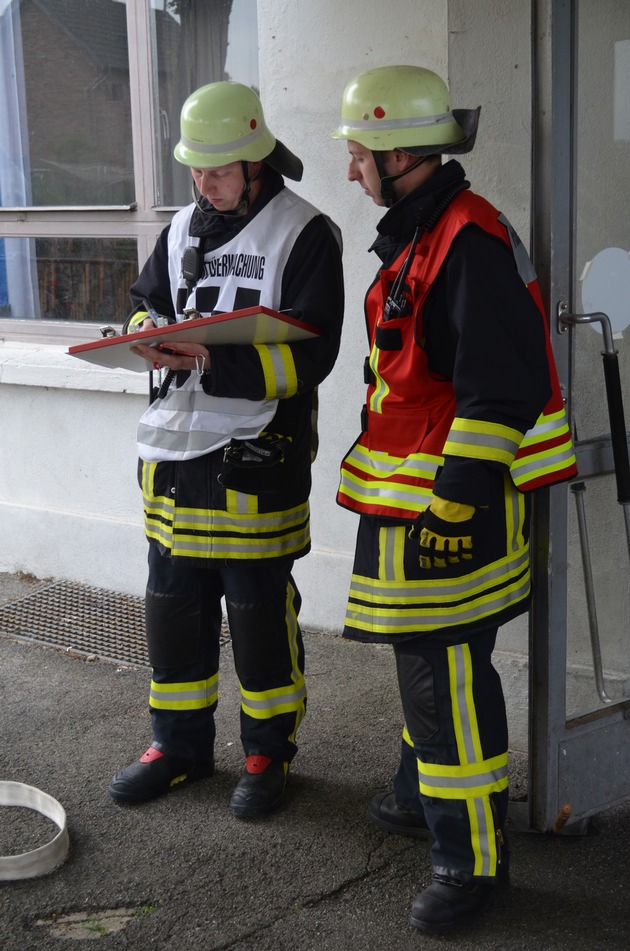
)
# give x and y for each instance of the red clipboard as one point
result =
(251, 325)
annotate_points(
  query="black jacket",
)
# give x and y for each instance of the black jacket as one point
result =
(311, 290)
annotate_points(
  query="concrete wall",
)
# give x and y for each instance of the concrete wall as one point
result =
(69, 504)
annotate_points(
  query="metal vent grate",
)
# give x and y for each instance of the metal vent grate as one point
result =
(87, 621)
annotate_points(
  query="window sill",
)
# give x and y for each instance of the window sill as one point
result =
(60, 332)
(42, 360)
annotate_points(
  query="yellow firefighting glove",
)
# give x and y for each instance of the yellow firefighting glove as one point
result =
(136, 321)
(139, 316)
(444, 530)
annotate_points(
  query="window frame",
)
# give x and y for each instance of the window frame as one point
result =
(142, 220)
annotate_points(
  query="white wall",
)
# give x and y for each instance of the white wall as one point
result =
(69, 504)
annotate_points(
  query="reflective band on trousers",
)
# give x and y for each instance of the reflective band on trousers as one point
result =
(461, 782)
(476, 778)
(271, 703)
(184, 696)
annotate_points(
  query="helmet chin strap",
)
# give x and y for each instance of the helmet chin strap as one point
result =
(249, 181)
(243, 202)
(387, 181)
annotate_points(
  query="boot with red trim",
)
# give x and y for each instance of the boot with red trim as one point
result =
(156, 773)
(261, 787)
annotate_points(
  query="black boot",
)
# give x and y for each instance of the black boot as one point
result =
(448, 905)
(261, 787)
(385, 813)
(156, 773)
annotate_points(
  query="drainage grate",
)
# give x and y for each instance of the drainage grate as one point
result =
(88, 621)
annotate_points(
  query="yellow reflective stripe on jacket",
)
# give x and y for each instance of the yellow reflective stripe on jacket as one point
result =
(158, 510)
(203, 533)
(279, 370)
(240, 502)
(194, 695)
(555, 455)
(546, 427)
(159, 506)
(546, 454)
(381, 388)
(391, 553)
(383, 465)
(246, 547)
(148, 479)
(400, 607)
(528, 468)
(478, 439)
(387, 494)
(385, 476)
(204, 520)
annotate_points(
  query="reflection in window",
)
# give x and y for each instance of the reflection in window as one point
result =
(67, 138)
(68, 278)
(64, 99)
(198, 42)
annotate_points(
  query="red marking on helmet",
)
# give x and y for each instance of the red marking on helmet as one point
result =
(379, 112)
(252, 123)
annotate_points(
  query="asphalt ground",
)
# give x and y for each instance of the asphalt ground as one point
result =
(183, 873)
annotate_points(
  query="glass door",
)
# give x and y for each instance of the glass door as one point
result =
(580, 622)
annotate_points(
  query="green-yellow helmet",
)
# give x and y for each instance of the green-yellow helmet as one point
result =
(404, 107)
(224, 122)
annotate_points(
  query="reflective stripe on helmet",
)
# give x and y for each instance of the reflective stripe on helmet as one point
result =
(412, 122)
(240, 143)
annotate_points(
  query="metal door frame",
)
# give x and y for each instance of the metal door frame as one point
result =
(584, 761)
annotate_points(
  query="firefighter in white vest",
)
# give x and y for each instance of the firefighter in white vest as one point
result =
(463, 417)
(226, 448)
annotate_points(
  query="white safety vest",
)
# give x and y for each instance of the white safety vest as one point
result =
(187, 422)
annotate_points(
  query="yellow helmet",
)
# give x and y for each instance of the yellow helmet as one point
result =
(224, 122)
(407, 108)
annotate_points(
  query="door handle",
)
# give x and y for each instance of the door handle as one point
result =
(614, 396)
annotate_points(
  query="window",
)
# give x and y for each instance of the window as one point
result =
(90, 96)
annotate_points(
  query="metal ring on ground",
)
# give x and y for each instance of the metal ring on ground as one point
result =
(45, 858)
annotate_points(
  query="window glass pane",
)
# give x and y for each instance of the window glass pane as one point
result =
(196, 42)
(67, 278)
(64, 104)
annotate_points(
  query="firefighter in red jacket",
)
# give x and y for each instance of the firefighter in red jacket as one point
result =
(463, 418)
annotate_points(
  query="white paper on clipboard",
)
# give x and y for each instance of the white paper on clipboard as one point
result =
(251, 325)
